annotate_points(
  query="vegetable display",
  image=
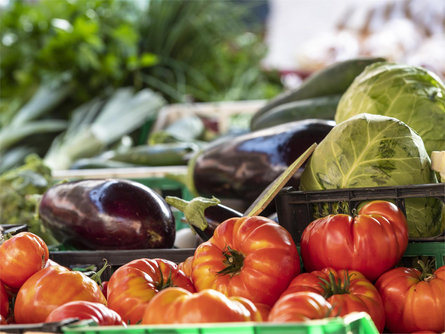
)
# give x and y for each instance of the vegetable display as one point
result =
(411, 94)
(177, 305)
(108, 214)
(251, 257)
(371, 242)
(373, 151)
(414, 300)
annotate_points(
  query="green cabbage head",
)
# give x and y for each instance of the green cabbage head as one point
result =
(411, 94)
(373, 151)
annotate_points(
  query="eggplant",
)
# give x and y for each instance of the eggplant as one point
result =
(107, 214)
(241, 167)
(203, 214)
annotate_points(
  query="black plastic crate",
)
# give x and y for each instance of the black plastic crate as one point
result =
(296, 209)
(95, 260)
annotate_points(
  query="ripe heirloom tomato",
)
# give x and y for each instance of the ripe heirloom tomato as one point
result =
(132, 286)
(186, 266)
(51, 287)
(4, 302)
(371, 242)
(414, 301)
(347, 292)
(177, 305)
(300, 306)
(252, 257)
(83, 310)
(22, 255)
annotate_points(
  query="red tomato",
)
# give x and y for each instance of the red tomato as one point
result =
(4, 302)
(132, 286)
(3, 320)
(83, 310)
(177, 305)
(22, 255)
(371, 242)
(347, 292)
(51, 287)
(252, 257)
(300, 306)
(413, 301)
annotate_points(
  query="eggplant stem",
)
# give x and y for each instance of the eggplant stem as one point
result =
(193, 210)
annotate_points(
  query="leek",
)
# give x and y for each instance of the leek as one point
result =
(97, 125)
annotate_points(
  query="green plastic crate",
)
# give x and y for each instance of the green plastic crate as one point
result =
(435, 250)
(354, 323)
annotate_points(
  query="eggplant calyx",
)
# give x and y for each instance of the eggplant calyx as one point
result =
(193, 210)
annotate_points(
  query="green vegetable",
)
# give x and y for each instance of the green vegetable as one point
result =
(96, 126)
(332, 80)
(323, 107)
(372, 151)
(20, 189)
(411, 94)
(185, 129)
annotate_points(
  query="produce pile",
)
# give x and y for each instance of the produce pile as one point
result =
(249, 270)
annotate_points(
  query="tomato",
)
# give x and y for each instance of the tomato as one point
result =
(371, 242)
(251, 257)
(346, 290)
(83, 310)
(22, 255)
(4, 302)
(300, 306)
(186, 266)
(177, 305)
(132, 286)
(414, 300)
(51, 287)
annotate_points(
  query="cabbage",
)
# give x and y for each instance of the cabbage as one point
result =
(371, 151)
(411, 94)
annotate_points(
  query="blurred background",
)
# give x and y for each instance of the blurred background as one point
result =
(63, 61)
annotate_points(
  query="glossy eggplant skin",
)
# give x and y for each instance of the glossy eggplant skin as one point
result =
(242, 167)
(107, 214)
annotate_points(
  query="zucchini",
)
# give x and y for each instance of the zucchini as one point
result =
(331, 80)
(323, 107)
(168, 154)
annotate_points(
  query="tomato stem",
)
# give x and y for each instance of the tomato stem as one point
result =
(335, 286)
(233, 262)
(164, 284)
(426, 271)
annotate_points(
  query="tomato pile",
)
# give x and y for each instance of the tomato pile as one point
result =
(248, 271)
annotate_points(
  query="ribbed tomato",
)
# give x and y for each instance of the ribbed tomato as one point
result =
(300, 306)
(51, 287)
(132, 286)
(371, 242)
(84, 310)
(21, 256)
(177, 305)
(251, 257)
(414, 301)
(347, 292)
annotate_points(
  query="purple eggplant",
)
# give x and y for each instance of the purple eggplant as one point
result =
(107, 214)
(203, 214)
(241, 167)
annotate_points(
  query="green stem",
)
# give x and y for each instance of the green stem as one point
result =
(193, 210)
(233, 262)
(335, 287)
(426, 273)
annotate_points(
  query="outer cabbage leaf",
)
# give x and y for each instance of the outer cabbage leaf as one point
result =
(371, 151)
(411, 94)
